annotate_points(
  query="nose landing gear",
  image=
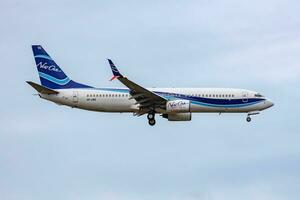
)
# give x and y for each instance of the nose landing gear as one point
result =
(151, 118)
(248, 119)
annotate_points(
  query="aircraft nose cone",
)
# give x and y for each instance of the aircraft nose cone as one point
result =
(269, 103)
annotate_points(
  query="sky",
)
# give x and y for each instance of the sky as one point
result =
(55, 152)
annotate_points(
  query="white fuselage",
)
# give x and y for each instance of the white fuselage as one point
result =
(202, 99)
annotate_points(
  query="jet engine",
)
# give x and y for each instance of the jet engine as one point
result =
(178, 116)
(178, 106)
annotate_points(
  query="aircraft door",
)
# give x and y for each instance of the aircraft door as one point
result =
(75, 97)
(245, 97)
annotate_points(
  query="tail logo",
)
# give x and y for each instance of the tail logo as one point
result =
(47, 67)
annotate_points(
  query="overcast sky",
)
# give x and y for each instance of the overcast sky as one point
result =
(55, 152)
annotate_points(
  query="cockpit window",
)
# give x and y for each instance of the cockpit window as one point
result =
(258, 95)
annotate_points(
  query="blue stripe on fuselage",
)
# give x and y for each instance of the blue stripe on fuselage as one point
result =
(209, 102)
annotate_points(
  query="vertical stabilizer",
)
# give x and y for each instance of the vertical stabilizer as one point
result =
(51, 75)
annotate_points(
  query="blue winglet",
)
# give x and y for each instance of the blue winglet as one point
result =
(115, 71)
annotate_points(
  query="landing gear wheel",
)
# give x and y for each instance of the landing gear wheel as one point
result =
(151, 122)
(248, 119)
(150, 115)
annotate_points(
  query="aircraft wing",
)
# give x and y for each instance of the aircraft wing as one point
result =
(146, 99)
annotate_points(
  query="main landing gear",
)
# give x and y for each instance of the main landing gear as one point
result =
(151, 118)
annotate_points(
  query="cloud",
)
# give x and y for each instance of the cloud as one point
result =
(275, 61)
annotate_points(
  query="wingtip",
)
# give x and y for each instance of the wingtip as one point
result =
(115, 71)
(110, 61)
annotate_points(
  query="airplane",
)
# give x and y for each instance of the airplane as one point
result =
(174, 104)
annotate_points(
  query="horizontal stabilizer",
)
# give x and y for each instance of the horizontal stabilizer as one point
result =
(42, 89)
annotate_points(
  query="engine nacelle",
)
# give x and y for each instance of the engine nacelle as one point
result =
(178, 116)
(178, 106)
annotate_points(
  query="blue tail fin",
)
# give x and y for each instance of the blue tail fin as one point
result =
(51, 75)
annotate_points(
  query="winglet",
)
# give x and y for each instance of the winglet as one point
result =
(115, 71)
